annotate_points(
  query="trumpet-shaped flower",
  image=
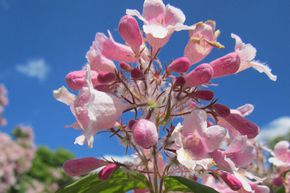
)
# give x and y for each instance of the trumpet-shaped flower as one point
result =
(247, 54)
(281, 155)
(94, 110)
(202, 39)
(160, 22)
(195, 140)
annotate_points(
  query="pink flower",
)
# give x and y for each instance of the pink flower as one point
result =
(145, 133)
(247, 54)
(240, 153)
(195, 140)
(77, 79)
(160, 22)
(78, 167)
(200, 75)
(108, 170)
(202, 39)
(226, 65)
(231, 180)
(93, 109)
(113, 50)
(130, 32)
(98, 61)
(281, 155)
(179, 65)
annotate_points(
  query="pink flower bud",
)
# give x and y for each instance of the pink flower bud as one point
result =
(130, 32)
(106, 77)
(179, 65)
(77, 79)
(103, 88)
(108, 170)
(278, 181)
(179, 81)
(221, 110)
(137, 74)
(226, 65)
(145, 133)
(125, 66)
(231, 180)
(78, 167)
(204, 95)
(200, 75)
(244, 126)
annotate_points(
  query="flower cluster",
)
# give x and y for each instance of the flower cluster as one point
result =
(213, 143)
(3, 103)
(16, 156)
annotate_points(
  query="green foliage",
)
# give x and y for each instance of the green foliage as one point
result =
(45, 162)
(177, 183)
(119, 182)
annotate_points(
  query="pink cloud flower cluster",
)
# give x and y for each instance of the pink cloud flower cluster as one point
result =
(128, 78)
(3, 103)
(16, 157)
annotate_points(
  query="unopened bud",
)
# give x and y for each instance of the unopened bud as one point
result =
(200, 75)
(77, 79)
(179, 81)
(221, 110)
(179, 65)
(125, 66)
(233, 182)
(130, 32)
(145, 133)
(203, 94)
(278, 181)
(244, 126)
(226, 65)
(106, 77)
(137, 74)
(108, 170)
(78, 167)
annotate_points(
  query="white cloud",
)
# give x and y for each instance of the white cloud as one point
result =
(278, 127)
(36, 68)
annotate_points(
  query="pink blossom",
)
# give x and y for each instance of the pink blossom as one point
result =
(240, 153)
(247, 54)
(113, 50)
(160, 22)
(93, 109)
(202, 38)
(281, 155)
(108, 170)
(78, 167)
(226, 65)
(77, 79)
(130, 32)
(179, 65)
(200, 75)
(145, 133)
(98, 61)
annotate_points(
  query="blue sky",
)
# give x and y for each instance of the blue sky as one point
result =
(56, 34)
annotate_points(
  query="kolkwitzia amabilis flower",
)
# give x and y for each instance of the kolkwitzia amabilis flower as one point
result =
(281, 155)
(3, 103)
(94, 110)
(202, 39)
(130, 32)
(160, 22)
(145, 133)
(247, 54)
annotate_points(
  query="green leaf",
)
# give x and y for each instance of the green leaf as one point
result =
(176, 183)
(119, 182)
